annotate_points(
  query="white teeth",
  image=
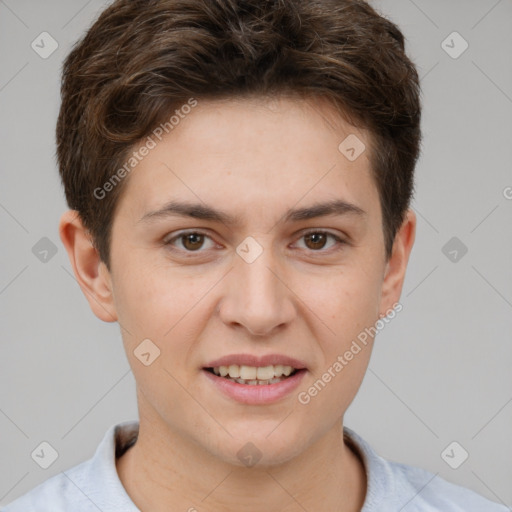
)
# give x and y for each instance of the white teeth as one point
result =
(265, 372)
(254, 375)
(234, 371)
(248, 372)
(278, 370)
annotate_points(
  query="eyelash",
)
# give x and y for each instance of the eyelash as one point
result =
(191, 254)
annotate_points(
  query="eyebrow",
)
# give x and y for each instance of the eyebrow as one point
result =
(205, 212)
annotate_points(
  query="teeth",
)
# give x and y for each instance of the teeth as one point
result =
(254, 375)
(287, 370)
(234, 371)
(265, 373)
(247, 372)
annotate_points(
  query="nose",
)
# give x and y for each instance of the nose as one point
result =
(257, 296)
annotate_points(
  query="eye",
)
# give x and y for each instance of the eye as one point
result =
(191, 241)
(316, 240)
(194, 241)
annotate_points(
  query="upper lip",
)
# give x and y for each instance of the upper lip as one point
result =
(254, 360)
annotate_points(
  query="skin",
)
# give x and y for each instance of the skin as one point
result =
(254, 159)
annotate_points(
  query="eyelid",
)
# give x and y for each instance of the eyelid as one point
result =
(182, 232)
(176, 235)
(340, 241)
(307, 231)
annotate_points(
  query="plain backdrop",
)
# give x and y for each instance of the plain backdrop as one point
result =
(440, 371)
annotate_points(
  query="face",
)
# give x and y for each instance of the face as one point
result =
(252, 270)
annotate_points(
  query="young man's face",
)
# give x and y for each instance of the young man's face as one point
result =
(260, 286)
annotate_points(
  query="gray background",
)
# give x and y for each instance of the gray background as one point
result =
(440, 371)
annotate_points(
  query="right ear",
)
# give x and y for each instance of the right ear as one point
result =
(91, 273)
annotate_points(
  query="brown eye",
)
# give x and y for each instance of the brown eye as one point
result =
(189, 242)
(315, 240)
(192, 241)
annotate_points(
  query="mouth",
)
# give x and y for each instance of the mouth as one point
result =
(252, 379)
(254, 375)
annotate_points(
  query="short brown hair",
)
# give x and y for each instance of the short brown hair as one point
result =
(141, 59)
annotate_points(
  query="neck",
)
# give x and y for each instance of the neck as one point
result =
(165, 470)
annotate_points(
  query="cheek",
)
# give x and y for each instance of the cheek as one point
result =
(163, 305)
(348, 301)
(148, 296)
(348, 306)
(348, 354)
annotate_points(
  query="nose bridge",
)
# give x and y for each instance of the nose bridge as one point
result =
(257, 299)
(260, 284)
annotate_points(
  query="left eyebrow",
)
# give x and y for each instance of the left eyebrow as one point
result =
(335, 207)
(205, 212)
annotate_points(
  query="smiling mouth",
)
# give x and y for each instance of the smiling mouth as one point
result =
(252, 375)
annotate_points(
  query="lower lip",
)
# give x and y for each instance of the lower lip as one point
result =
(256, 394)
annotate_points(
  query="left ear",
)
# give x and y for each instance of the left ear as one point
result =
(397, 264)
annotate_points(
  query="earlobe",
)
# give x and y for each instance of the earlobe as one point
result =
(90, 272)
(397, 265)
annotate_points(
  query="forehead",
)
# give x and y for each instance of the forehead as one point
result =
(251, 156)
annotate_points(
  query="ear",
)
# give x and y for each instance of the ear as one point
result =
(90, 272)
(396, 266)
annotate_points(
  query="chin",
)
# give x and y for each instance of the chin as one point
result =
(256, 447)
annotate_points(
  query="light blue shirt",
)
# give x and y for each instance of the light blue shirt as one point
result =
(94, 485)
